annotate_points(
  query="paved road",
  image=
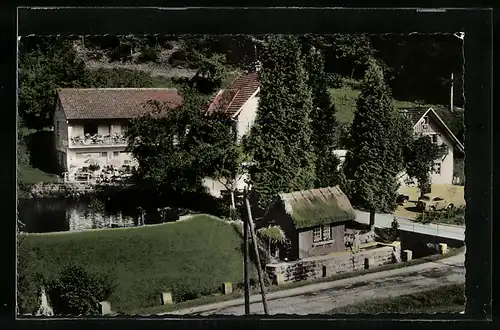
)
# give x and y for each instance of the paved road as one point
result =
(323, 297)
(385, 220)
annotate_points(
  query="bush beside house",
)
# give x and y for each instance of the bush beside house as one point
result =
(191, 258)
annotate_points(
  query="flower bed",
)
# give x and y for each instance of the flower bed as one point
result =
(87, 139)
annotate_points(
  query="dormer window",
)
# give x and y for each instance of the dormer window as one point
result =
(425, 121)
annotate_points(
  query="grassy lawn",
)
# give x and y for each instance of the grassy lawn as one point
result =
(163, 82)
(345, 98)
(451, 193)
(445, 299)
(274, 288)
(191, 258)
(31, 175)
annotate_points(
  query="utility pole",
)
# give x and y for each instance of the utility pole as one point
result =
(245, 260)
(256, 248)
(451, 93)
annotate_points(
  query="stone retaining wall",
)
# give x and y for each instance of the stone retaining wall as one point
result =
(336, 263)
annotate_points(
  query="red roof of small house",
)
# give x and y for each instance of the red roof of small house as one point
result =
(236, 94)
(113, 103)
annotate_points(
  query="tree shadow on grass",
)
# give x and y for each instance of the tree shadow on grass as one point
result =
(412, 209)
(41, 149)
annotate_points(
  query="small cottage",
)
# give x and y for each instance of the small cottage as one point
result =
(313, 221)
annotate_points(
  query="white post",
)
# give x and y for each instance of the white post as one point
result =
(451, 93)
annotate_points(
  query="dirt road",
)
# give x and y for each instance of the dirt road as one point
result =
(320, 298)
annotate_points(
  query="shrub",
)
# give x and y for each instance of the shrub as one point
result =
(78, 292)
(149, 54)
(394, 229)
(29, 280)
(454, 216)
(94, 167)
(334, 80)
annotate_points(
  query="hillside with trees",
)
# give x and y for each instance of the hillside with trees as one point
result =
(335, 65)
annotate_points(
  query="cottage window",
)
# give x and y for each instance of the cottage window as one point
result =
(434, 138)
(90, 128)
(327, 233)
(437, 168)
(104, 154)
(115, 153)
(317, 234)
(322, 234)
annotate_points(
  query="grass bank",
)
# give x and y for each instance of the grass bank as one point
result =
(445, 299)
(192, 258)
(345, 99)
(274, 288)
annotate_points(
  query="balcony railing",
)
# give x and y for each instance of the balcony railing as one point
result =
(88, 140)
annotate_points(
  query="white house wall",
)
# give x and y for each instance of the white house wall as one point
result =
(116, 156)
(247, 115)
(72, 157)
(60, 128)
(446, 175)
(103, 128)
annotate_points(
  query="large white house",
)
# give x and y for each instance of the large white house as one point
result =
(427, 122)
(240, 101)
(89, 125)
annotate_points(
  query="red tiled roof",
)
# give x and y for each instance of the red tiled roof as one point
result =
(232, 99)
(113, 103)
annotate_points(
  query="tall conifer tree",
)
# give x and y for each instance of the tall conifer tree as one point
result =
(325, 127)
(376, 154)
(280, 139)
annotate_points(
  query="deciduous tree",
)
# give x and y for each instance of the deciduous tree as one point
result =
(420, 159)
(178, 147)
(43, 69)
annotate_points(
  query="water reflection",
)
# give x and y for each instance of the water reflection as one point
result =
(55, 215)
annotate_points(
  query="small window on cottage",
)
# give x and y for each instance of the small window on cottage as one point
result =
(437, 168)
(115, 153)
(90, 128)
(126, 161)
(317, 234)
(434, 138)
(327, 233)
(322, 234)
(426, 121)
(104, 154)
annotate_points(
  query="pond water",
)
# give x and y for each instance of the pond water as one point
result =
(56, 214)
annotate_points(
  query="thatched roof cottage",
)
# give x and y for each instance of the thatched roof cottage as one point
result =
(313, 221)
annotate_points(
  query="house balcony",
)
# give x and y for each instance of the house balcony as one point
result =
(97, 141)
